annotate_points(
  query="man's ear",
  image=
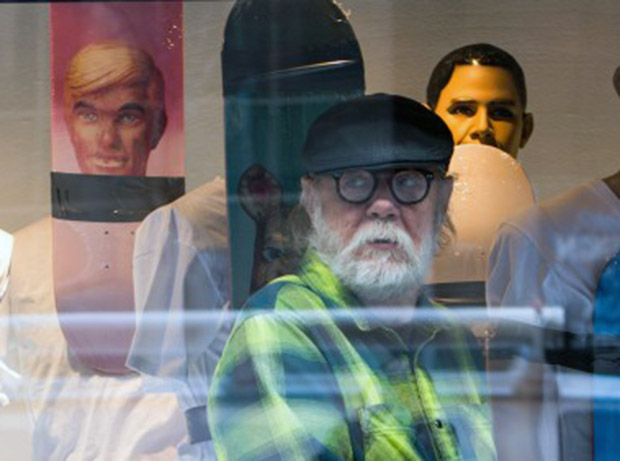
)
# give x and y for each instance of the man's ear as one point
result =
(306, 199)
(528, 128)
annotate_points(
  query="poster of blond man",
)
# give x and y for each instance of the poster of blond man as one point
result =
(117, 89)
(114, 108)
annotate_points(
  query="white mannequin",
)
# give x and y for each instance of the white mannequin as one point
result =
(181, 291)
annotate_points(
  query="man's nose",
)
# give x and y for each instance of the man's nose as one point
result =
(482, 128)
(383, 205)
(109, 134)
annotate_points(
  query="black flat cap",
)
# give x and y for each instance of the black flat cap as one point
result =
(376, 132)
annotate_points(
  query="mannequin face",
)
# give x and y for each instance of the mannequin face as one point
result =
(481, 105)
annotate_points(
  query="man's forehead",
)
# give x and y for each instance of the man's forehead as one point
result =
(481, 83)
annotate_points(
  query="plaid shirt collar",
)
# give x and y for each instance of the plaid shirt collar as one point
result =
(319, 277)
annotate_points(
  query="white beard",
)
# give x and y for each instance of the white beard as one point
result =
(375, 276)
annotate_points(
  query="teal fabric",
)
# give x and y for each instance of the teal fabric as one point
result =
(606, 408)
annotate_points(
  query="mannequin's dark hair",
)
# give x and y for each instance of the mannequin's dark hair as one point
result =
(482, 54)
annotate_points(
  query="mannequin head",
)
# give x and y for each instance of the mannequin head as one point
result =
(479, 91)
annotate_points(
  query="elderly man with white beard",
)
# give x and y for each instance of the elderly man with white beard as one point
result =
(336, 361)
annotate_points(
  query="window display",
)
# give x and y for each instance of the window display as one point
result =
(123, 290)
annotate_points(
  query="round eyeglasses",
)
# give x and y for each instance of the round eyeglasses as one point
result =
(407, 186)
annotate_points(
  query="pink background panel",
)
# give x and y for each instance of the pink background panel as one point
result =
(156, 27)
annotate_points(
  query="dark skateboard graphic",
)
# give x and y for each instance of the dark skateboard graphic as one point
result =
(283, 64)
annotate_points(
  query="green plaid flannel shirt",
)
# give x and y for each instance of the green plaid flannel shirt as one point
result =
(305, 375)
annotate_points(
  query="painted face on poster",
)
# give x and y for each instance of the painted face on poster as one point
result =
(114, 108)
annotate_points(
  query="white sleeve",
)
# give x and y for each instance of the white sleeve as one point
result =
(10, 380)
(6, 252)
(180, 293)
(518, 274)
